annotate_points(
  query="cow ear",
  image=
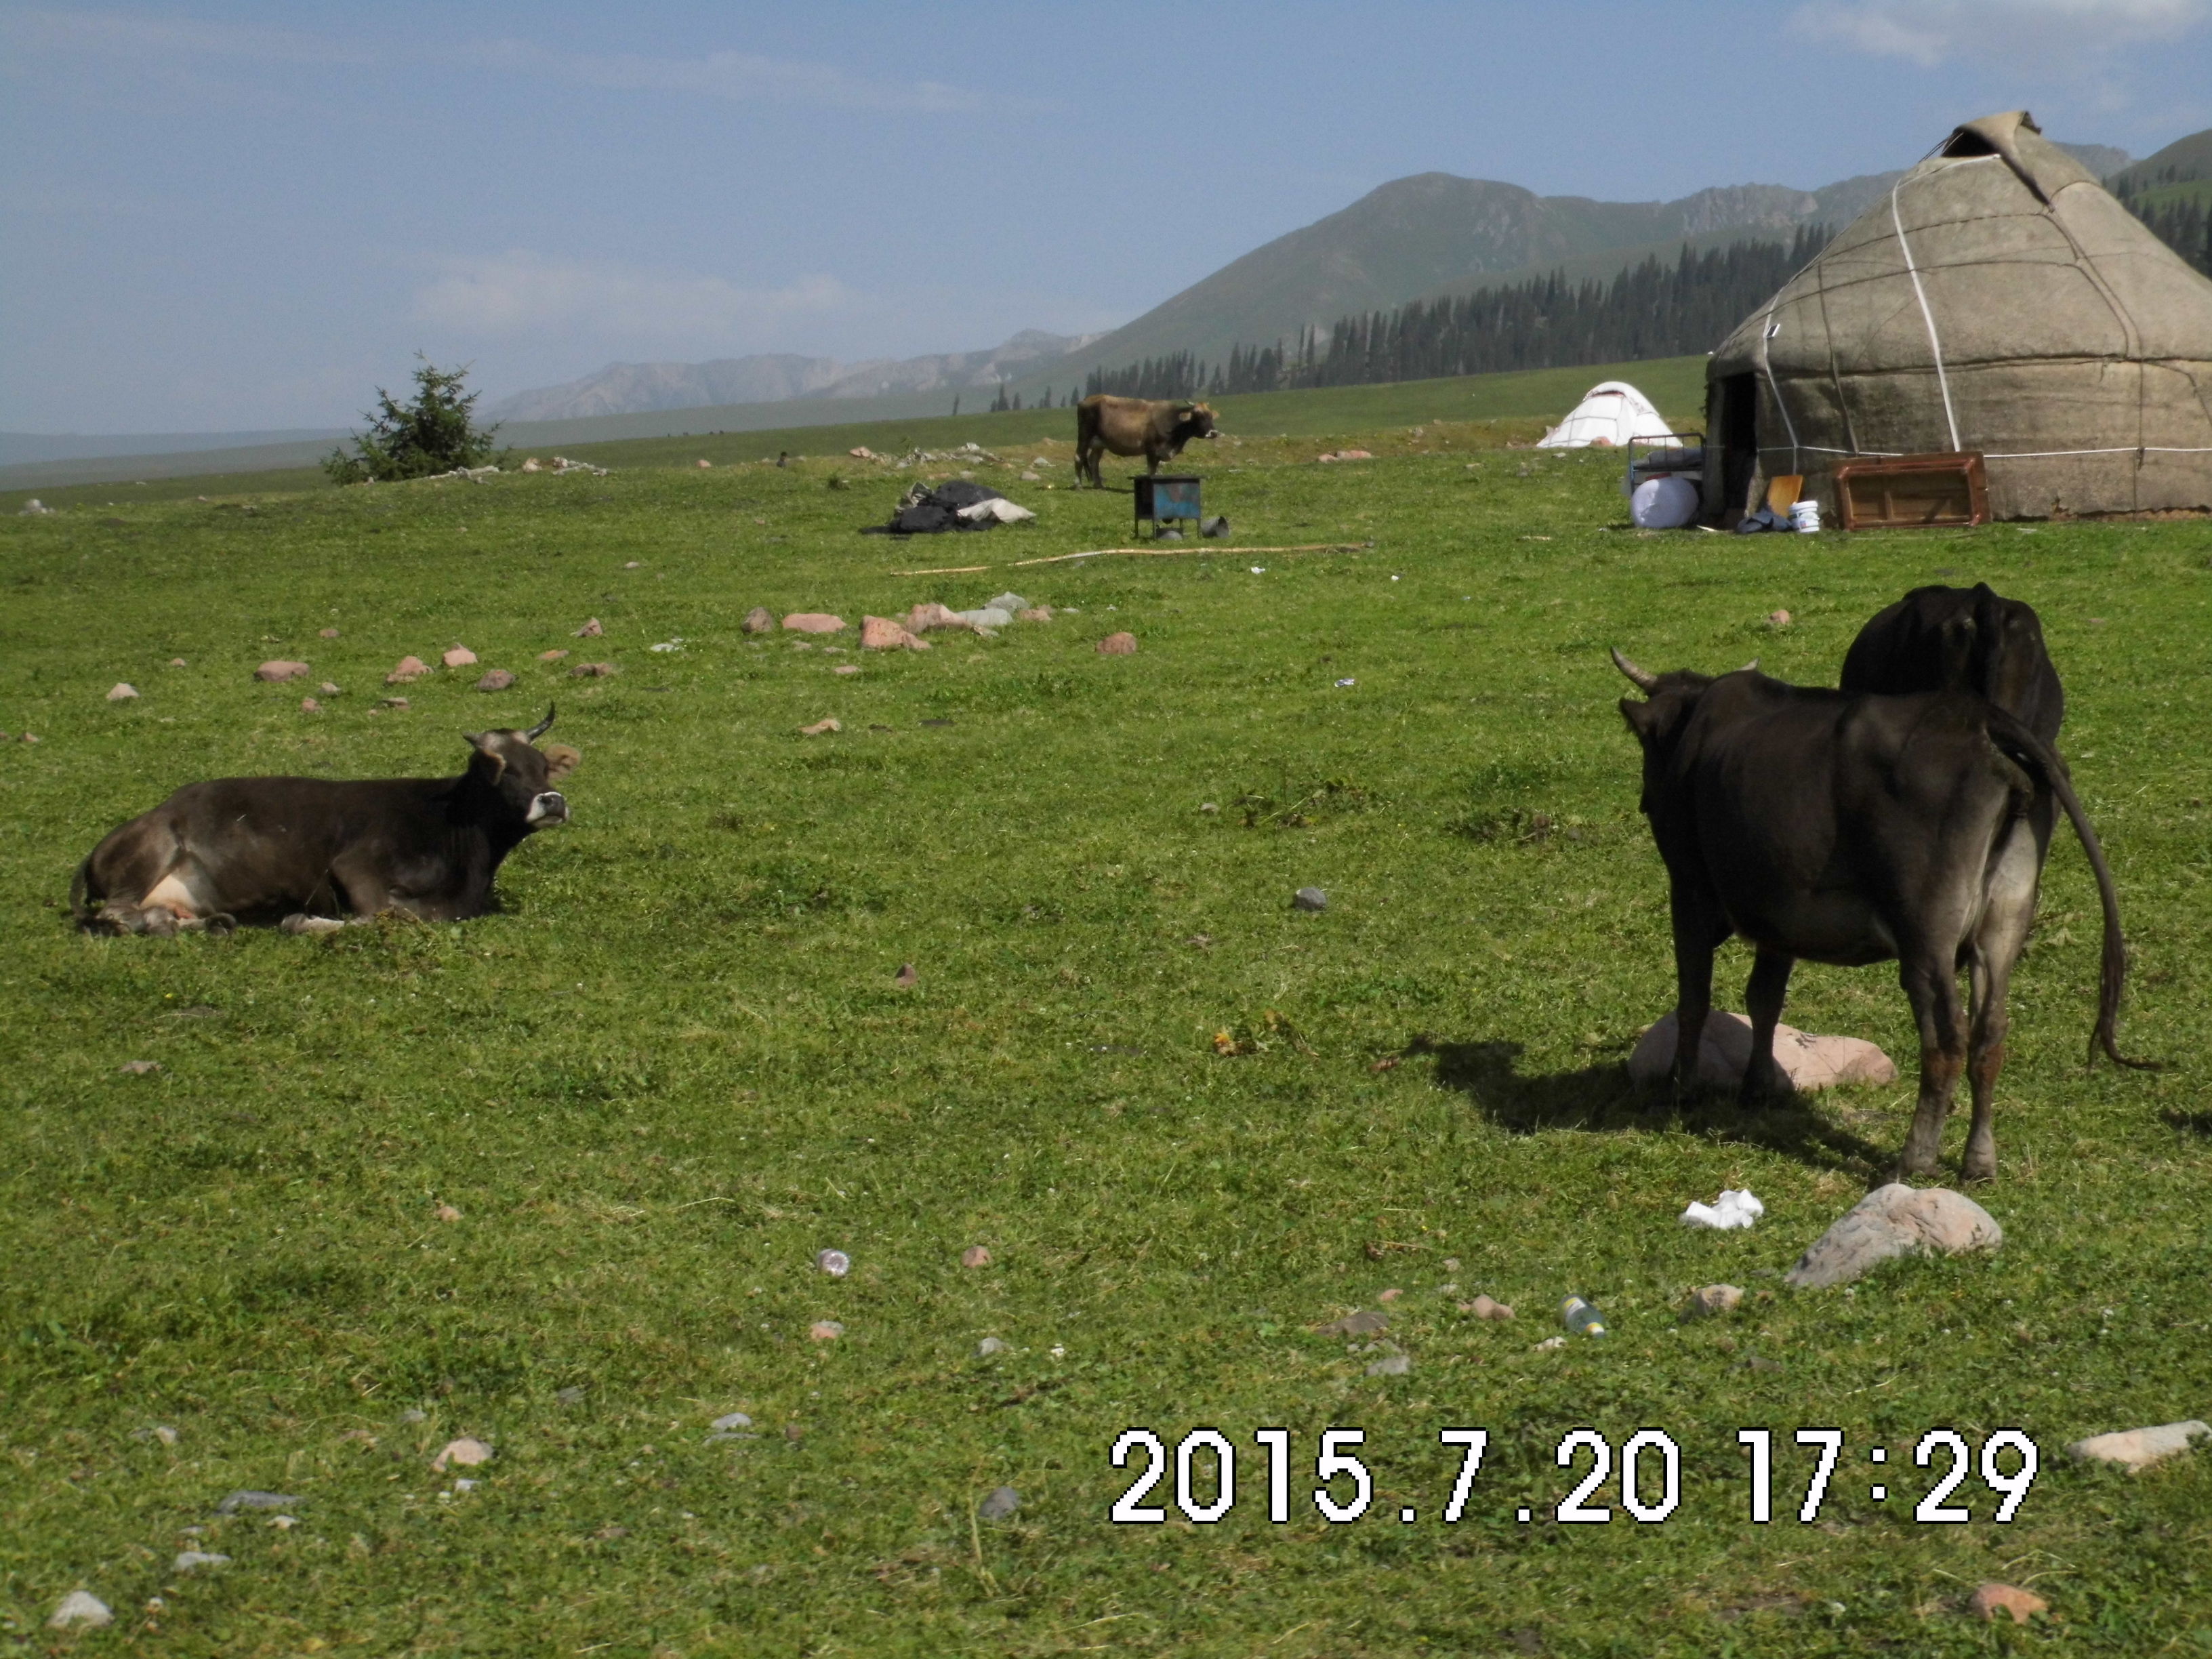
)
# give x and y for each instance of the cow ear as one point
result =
(1641, 717)
(486, 744)
(560, 760)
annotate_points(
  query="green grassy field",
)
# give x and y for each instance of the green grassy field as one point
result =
(1522, 403)
(677, 1065)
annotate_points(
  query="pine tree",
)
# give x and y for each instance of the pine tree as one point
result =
(436, 433)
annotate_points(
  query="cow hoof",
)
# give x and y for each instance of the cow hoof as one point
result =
(1978, 1169)
(222, 924)
(300, 923)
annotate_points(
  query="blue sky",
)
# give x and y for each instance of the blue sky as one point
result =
(231, 217)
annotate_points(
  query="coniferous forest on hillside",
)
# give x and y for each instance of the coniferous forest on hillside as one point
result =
(1653, 309)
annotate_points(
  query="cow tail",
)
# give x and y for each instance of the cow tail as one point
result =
(80, 891)
(2042, 761)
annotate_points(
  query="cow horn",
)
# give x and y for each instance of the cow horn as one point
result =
(542, 726)
(1645, 681)
(1751, 667)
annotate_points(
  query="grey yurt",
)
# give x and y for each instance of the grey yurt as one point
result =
(1995, 301)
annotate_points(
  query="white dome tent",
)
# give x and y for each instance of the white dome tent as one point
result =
(1611, 414)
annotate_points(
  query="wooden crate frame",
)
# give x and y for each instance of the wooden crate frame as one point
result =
(1866, 492)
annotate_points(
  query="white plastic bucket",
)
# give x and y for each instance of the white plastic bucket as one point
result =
(1805, 518)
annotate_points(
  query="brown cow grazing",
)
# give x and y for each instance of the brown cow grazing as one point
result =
(1134, 426)
(292, 849)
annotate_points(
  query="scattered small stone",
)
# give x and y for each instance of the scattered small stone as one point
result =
(591, 670)
(1990, 1600)
(309, 706)
(758, 620)
(906, 975)
(989, 1346)
(392, 702)
(465, 1453)
(1756, 1362)
(141, 1067)
(447, 1213)
(591, 630)
(254, 1500)
(929, 614)
(976, 1255)
(176, 662)
(329, 633)
(1451, 1264)
(703, 465)
(496, 679)
(1391, 1295)
(78, 1607)
(278, 670)
(328, 689)
(835, 1263)
(571, 1395)
(821, 727)
(1309, 898)
(1777, 619)
(1002, 1502)
(1118, 645)
(729, 1420)
(1034, 613)
(122, 691)
(283, 1522)
(460, 657)
(845, 668)
(408, 668)
(1709, 1300)
(814, 622)
(2138, 1448)
(414, 1414)
(1892, 1221)
(1484, 1308)
(1359, 1323)
(824, 1330)
(882, 634)
(555, 655)
(28, 738)
(193, 1560)
(1550, 1343)
(793, 1433)
(1391, 1364)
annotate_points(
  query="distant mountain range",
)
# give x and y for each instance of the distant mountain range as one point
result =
(1436, 233)
(635, 388)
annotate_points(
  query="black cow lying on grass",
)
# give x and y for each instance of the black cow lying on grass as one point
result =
(1961, 639)
(290, 849)
(1851, 830)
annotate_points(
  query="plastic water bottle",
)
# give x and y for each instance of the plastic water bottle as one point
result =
(1578, 1316)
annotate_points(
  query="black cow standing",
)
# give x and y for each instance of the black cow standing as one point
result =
(1851, 829)
(289, 850)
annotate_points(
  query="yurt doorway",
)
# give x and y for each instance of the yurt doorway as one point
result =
(1739, 434)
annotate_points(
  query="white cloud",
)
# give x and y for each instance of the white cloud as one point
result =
(520, 292)
(2051, 35)
(735, 76)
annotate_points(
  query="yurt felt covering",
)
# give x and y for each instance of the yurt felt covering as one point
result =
(1997, 299)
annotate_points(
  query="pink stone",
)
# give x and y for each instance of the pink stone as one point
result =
(460, 657)
(1118, 645)
(976, 1255)
(552, 656)
(590, 631)
(1809, 1062)
(929, 614)
(758, 621)
(122, 691)
(591, 670)
(309, 706)
(814, 622)
(496, 679)
(881, 633)
(409, 668)
(278, 670)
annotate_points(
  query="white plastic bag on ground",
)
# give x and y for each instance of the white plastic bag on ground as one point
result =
(997, 508)
(1663, 503)
(1736, 1207)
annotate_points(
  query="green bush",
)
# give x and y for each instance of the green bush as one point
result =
(435, 433)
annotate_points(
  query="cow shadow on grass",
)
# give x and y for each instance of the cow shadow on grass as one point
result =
(1601, 1099)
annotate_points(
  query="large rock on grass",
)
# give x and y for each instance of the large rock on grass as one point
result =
(278, 670)
(1809, 1062)
(1892, 1221)
(814, 622)
(2137, 1448)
